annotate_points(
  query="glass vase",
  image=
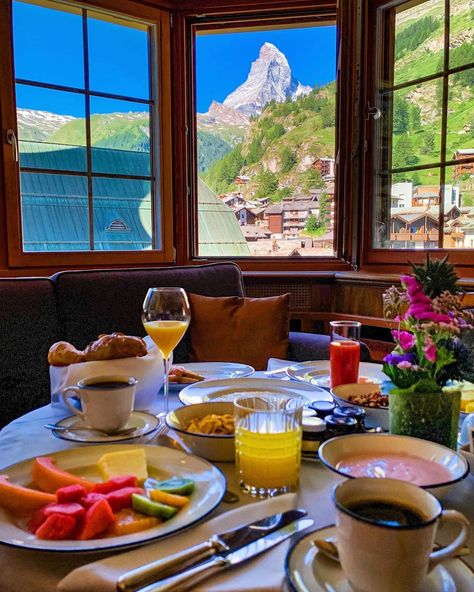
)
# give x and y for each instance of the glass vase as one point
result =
(432, 416)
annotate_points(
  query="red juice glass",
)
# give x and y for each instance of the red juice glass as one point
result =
(344, 352)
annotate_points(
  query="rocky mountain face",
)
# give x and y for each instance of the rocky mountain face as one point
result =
(39, 125)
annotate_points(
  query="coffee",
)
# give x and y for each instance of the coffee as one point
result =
(386, 514)
(107, 384)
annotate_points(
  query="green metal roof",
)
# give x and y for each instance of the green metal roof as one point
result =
(55, 206)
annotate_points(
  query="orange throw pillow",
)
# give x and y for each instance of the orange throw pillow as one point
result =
(234, 329)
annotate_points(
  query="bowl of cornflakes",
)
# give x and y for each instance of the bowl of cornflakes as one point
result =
(207, 429)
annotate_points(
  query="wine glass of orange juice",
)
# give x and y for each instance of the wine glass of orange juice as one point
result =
(344, 352)
(166, 316)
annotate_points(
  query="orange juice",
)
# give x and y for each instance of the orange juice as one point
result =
(268, 460)
(166, 334)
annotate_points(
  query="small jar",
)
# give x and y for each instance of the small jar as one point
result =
(340, 426)
(322, 408)
(314, 431)
(356, 412)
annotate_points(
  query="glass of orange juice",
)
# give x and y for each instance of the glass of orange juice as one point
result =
(344, 352)
(268, 442)
(166, 316)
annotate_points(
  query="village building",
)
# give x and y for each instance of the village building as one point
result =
(463, 168)
(325, 165)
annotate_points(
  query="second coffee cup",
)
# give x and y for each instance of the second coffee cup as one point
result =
(106, 401)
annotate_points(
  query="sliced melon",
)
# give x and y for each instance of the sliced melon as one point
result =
(123, 462)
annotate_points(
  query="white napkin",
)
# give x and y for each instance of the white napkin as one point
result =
(265, 571)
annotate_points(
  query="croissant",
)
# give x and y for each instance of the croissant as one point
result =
(63, 353)
(106, 347)
(114, 346)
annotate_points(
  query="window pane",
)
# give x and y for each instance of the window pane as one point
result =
(410, 204)
(460, 132)
(113, 50)
(51, 128)
(122, 214)
(419, 40)
(459, 207)
(416, 125)
(55, 212)
(461, 30)
(266, 142)
(120, 137)
(48, 44)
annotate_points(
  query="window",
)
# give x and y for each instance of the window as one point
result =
(265, 102)
(90, 134)
(424, 184)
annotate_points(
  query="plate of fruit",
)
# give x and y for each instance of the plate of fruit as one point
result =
(105, 497)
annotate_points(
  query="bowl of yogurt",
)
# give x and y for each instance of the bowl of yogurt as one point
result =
(423, 463)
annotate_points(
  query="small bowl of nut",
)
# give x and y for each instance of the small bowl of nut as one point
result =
(369, 397)
(207, 429)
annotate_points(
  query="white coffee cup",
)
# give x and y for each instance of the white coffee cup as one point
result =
(379, 557)
(107, 401)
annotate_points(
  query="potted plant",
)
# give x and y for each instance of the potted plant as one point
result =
(429, 357)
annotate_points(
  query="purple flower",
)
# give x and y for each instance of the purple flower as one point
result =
(404, 365)
(394, 359)
(406, 339)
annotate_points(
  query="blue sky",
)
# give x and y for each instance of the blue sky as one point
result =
(48, 46)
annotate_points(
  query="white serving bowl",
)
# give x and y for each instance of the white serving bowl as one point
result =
(337, 449)
(217, 448)
(374, 416)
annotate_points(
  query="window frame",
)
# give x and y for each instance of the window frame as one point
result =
(223, 17)
(377, 28)
(160, 61)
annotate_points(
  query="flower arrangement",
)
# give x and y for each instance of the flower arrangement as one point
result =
(429, 352)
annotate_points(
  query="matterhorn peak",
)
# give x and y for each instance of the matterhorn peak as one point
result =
(269, 79)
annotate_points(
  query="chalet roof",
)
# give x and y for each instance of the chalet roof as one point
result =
(274, 209)
(253, 231)
(55, 207)
(300, 206)
(465, 151)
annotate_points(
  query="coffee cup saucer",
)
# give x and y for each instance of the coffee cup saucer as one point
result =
(307, 569)
(143, 422)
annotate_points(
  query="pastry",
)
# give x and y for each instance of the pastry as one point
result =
(63, 353)
(114, 346)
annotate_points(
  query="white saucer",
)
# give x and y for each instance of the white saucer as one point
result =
(307, 570)
(143, 422)
(317, 373)
(213, 371)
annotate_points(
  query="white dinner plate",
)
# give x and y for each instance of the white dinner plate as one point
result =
(163, 463)
(317, 373)
(225, 390)
(307, 570)
(143, 422)
(213, 371)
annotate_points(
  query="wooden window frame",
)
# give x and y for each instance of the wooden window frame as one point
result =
(377, 27)
(161, 63)
(233, 15)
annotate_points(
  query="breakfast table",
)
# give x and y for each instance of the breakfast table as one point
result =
(36, 571)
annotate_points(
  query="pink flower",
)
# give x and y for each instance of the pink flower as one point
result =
(406, 339)
(404, 365)
(430, 350)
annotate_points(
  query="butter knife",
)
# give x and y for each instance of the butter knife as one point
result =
(230, 540)
(190, 577)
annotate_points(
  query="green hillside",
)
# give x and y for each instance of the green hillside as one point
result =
(210, 148)
(285, 135)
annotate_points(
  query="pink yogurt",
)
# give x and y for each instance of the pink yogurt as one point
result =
(405, 467)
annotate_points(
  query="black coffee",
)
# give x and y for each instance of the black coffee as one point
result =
(386, 514)
(108, 384)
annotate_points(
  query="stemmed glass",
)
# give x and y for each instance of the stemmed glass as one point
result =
(166, 316)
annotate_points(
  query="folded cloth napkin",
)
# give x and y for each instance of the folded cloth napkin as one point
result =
(265, 572)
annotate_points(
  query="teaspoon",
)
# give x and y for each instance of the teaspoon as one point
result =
(56, 428)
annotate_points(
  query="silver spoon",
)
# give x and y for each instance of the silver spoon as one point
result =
(56, 428)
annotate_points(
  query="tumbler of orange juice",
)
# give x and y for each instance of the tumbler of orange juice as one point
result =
(344, 352)
(268, 442)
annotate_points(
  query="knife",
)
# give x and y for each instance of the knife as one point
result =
(190, 577)
(230, 540)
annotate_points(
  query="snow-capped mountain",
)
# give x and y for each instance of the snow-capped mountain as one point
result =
(269, 79)
(39, 125)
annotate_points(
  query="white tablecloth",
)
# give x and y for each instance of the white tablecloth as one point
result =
(28, 571)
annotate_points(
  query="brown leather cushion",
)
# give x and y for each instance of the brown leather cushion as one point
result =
(233, 329)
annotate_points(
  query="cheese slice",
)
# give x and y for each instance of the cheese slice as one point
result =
(123, 462)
